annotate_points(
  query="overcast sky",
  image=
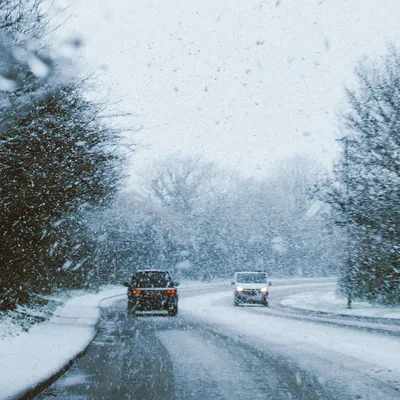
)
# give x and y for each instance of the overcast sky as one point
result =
(244, 82)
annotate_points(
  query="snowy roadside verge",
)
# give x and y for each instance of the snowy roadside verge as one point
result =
(47, 348)
(325, 300)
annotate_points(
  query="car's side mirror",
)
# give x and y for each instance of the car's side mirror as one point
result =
(232, 283)
(269, 283)
(176, 283)
(126, 284)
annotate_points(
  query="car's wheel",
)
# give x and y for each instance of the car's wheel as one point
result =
(265, 303)
(236, 302)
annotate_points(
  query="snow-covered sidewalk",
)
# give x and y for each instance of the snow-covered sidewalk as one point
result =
(32, 357)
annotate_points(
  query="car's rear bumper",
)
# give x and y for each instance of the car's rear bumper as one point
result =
(150, 303)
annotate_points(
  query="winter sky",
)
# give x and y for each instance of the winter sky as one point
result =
(247, 83)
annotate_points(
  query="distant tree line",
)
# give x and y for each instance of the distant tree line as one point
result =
(57, 161)
(202, 222)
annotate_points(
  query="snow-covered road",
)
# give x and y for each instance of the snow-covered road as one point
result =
(214, 350)
(361, 363)
(165, 358)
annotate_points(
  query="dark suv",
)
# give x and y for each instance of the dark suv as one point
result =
(152, 290)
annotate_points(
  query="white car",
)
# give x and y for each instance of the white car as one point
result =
(251, 287)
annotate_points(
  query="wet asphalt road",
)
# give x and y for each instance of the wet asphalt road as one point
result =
(161, 357)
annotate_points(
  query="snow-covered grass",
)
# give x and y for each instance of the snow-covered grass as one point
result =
(39, 309)
(14, 322)
(326, 300)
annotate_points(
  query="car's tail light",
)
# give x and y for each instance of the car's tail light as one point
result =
(171, 291)
(136, 291)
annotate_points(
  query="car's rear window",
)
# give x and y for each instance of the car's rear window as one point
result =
(151, 279)
(251, 278)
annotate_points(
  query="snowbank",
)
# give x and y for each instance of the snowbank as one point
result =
(32, 357)
(326, 300)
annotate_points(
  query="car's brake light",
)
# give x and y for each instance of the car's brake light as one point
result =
(136, 291)
(171, 291)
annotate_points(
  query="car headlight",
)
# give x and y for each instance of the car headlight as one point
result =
(239, 289)
(264, 290)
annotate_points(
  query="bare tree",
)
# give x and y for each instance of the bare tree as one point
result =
(301, 217)
(181, 183)
(23, 20)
